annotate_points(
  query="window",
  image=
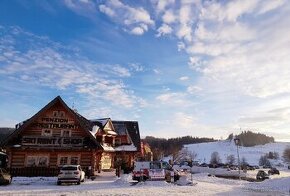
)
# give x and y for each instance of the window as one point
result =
(65, 133)
(63, 161)
(74, 160)
(118, 141)
(58, 113)
(68, 159)
(47, 132)
(42, 161)
(37, 161)
(31, 161)
(55, 113)
(61, 114)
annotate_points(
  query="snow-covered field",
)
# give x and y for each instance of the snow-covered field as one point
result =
(225, 148)
(108, 184)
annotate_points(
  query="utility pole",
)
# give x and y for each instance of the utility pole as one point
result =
(237, 141)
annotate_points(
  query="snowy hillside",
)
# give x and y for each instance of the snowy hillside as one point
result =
(225, 148)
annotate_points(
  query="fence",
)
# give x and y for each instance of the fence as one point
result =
(34, 171)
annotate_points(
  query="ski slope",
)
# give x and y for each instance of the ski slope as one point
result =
(226, 147)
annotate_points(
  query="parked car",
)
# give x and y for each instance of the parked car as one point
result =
(233, 167)
(250, 167)
(203, 165)
(262, 175)
(267, 166)
(273, 171)
(212, 165)
(71, 174)
(256, 167)
(5, 177)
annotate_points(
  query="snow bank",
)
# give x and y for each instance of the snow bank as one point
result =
(184, 180)
(124, 179)
(34, 180)
(217, 171)
(277, 184)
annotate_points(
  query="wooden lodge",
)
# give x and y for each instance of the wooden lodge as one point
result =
(57, 135)
(120, 141)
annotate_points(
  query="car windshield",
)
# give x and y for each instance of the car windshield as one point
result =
(69, 168)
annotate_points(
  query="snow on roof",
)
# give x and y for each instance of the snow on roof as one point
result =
(108, 148)
(112, 132)
(126, 148)
(94, 130)
(102, 121)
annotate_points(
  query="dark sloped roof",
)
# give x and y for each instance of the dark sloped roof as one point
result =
(84, 123)
(4, 133)
(120, 127)
(100, 122)
(132, 128)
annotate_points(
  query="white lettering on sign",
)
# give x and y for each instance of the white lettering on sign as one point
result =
(54, 141)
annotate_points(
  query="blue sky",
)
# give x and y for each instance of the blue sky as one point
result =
(191, 67)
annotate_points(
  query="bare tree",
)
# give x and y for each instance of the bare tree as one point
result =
(264, 161)
(286, 154)
(244, 161)
(175, 155)
(215, 158)
(185, 155)
(231, 159)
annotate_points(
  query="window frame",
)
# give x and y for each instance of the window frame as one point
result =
(58, 113)
(62, 133)
(45, 134)
(37, 158)
(119, 141)
(69, 158)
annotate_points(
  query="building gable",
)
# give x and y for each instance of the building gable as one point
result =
(130, 129)
(55, 124)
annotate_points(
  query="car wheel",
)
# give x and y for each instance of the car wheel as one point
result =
(58, 183)
(79, 182)
(8, 181)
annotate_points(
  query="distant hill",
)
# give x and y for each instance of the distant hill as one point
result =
(4, 133)
(249, 138)
(228, 147)
(164, 147)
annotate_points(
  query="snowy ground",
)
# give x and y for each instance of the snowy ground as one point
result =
(108, 184)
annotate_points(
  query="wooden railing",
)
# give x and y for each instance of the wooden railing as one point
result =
(37, 171)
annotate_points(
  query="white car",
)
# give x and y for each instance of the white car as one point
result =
(71, 174)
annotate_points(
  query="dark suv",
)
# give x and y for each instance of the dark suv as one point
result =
(262, 175)
(273, 171)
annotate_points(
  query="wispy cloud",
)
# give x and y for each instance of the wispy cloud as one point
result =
(184, 78)
(174, 99)
(47, 63)
(135, 20)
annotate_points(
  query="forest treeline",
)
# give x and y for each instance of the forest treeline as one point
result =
(249, 138)
(164, 147)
